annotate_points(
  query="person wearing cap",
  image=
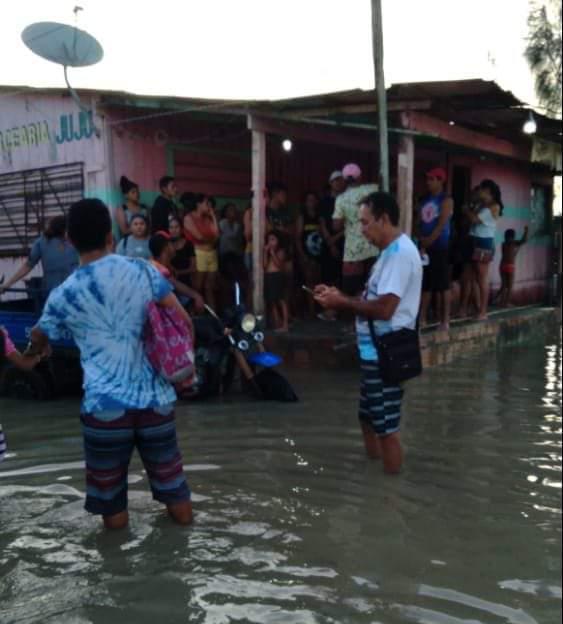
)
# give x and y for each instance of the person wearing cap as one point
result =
(434, 218)
(359, 253)
(130, 208)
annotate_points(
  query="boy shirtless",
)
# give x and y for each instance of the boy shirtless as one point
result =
(275, 281)
(510, 249)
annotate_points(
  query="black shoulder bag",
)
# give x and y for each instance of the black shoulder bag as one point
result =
(399, 354)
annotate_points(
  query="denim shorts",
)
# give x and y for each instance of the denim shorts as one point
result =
(483, 243)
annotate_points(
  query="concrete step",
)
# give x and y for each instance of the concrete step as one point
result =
(333, 345)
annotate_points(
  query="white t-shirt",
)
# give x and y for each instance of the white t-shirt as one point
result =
(487, 226)
(397, 272)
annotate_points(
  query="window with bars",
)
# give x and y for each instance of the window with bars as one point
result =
(28, 199)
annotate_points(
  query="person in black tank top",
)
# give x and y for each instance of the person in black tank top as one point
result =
(310, 246)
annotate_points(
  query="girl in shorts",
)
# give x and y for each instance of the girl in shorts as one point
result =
(202, 230)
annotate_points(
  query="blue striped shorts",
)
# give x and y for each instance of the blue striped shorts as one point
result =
(3, 447)
(109, 445)
(380, 404)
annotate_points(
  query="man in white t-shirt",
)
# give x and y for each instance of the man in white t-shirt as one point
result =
(391, 300)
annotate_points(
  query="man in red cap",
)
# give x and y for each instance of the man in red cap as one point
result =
(434, 230)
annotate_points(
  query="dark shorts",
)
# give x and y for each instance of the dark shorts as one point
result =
(331, 269)
(275, 287)
(380, 404)
(436, 277)
(108, 447)
(355, 276)
(483, 243)
(466, 249)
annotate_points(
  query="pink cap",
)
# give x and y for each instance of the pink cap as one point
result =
(352, 170)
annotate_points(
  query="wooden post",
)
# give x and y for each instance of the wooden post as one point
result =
(377, 41)
(258, 218)
(406, 182)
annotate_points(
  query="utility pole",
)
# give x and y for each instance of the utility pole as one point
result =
(377, 41)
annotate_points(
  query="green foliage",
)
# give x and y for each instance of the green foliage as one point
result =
(543, 52)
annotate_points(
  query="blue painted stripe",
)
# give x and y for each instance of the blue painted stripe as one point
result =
(166, 486)
(105, 494)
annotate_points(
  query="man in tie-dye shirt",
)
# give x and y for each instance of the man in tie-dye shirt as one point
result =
(126, 404)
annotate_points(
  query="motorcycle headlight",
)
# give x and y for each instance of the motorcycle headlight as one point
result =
(248, 323)
(259, 337)
(243, 345)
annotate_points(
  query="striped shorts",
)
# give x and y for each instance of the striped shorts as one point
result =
(3, 447)
(108, 446)
(380, 404)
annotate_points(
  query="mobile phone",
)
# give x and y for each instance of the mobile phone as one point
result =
(308, 290)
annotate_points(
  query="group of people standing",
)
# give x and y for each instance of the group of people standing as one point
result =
(321, 241)
(460, 247)
(349, 247)
(201, 244)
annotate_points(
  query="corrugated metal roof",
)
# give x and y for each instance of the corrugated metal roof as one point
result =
(476, 104)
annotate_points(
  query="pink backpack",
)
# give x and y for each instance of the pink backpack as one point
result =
(169, 344)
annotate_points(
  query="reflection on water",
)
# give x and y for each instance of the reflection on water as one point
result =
(293, 524)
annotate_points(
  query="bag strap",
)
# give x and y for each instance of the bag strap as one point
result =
(145, 265)
(374, 338)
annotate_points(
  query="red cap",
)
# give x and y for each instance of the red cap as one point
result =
(439, 173)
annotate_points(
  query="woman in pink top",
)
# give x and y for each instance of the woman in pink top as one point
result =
(9, 353)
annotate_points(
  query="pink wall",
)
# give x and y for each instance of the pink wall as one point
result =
(533, 261)
(138, 150)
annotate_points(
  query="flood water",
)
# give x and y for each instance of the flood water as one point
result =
(294, 525)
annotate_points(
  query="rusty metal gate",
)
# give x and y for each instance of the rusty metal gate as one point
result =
(28, 199)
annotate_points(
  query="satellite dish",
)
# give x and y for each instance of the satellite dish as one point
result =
(65, 45)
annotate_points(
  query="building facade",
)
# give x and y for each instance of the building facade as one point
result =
(54, 150)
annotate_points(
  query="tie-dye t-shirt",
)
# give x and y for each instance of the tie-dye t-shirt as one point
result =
(103, 305)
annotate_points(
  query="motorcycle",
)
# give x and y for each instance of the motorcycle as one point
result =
(235, 342)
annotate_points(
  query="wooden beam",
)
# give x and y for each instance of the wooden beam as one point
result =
(377, 38)
(458, 135)
(405, 182)
(313, 134)
(258, 217)
(351, 109)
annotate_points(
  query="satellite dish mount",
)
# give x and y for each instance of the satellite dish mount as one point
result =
(65, 45)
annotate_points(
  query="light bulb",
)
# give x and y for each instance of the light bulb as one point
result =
(287, 145)
(530, 127)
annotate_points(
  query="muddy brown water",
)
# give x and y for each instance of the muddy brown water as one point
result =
(293, 523)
